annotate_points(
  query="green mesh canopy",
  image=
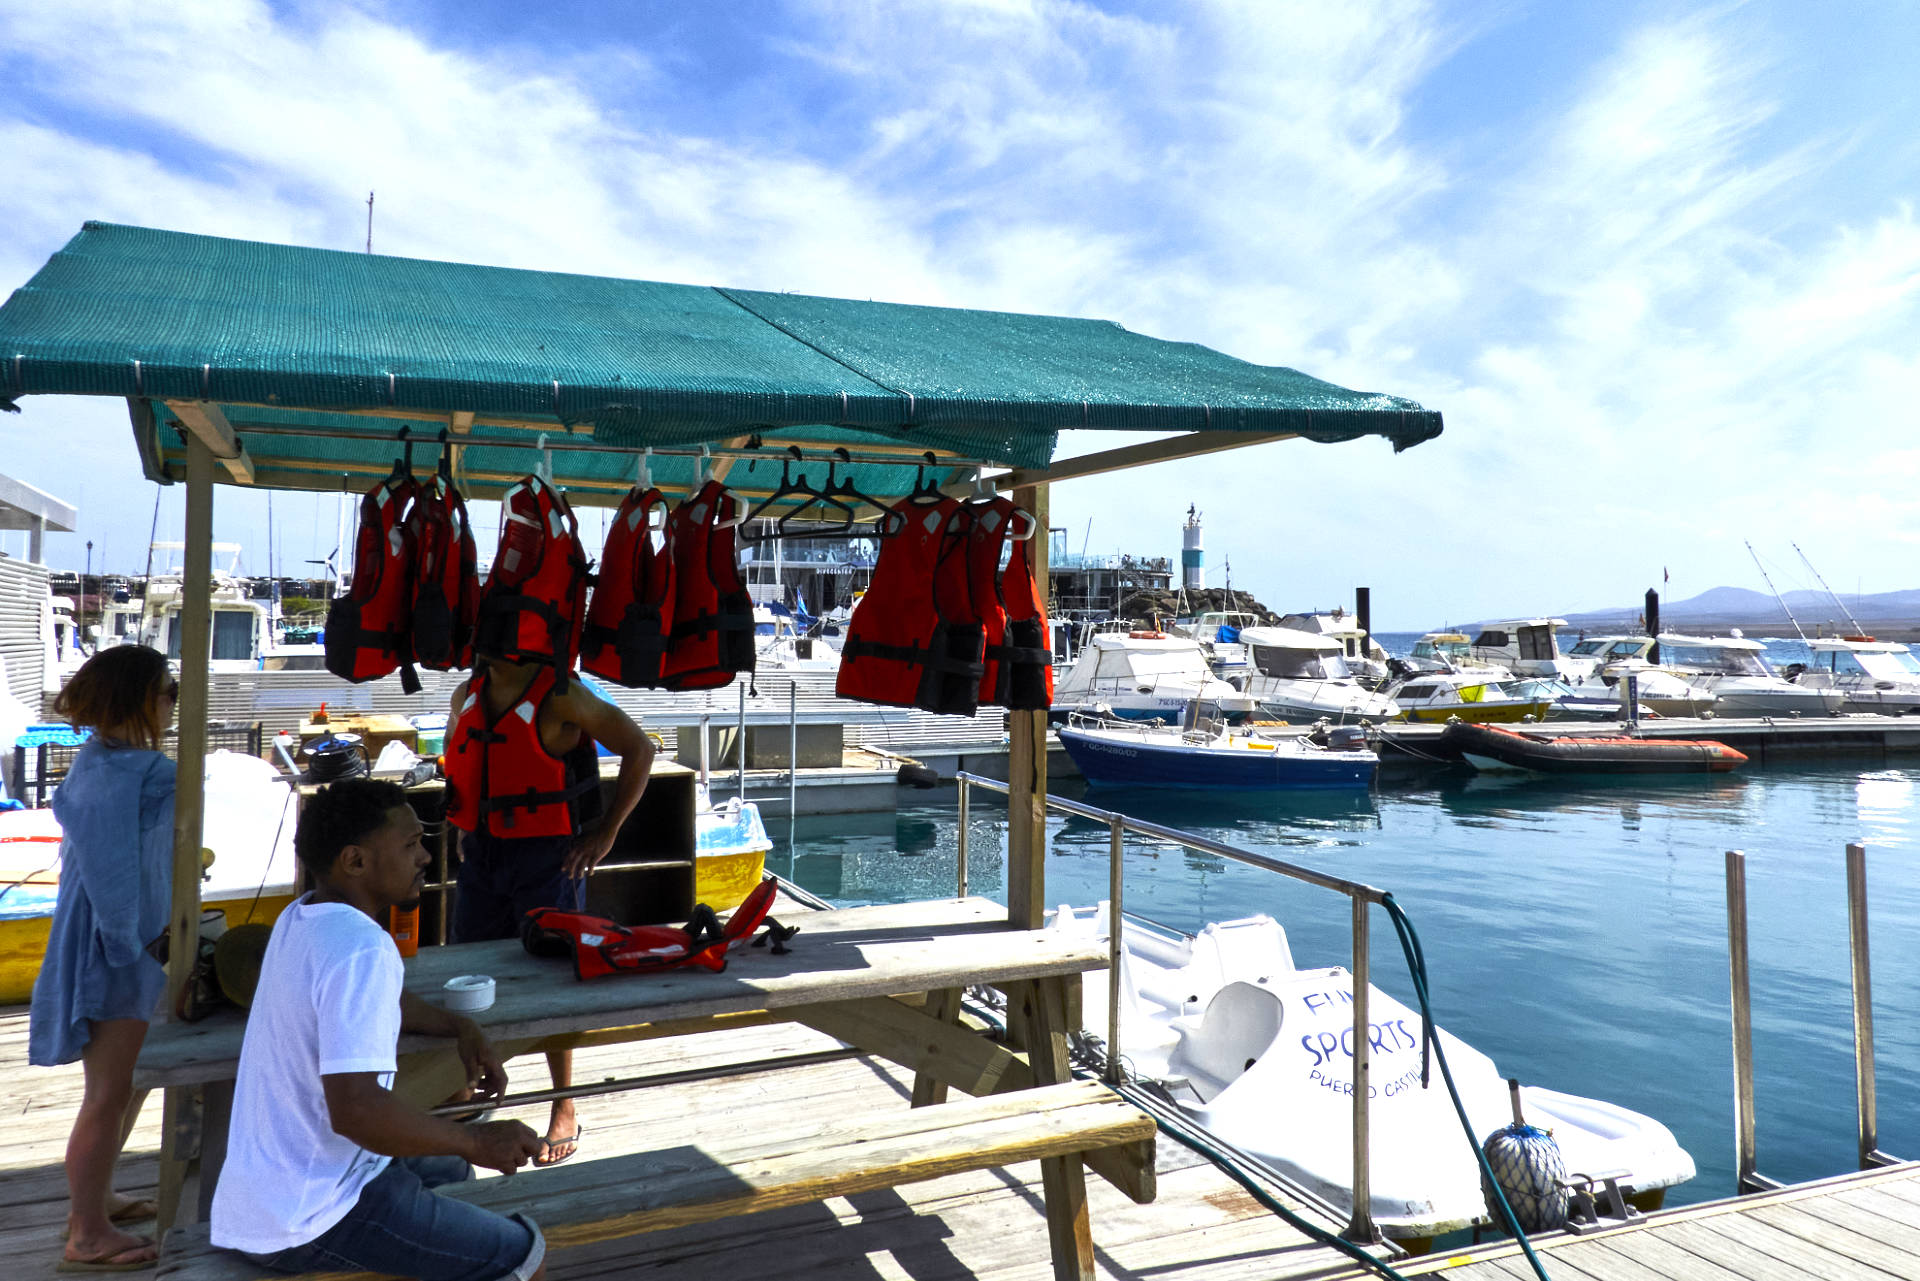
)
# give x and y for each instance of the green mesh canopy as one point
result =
(318, 358)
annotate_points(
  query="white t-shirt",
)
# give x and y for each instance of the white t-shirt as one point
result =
(328, 1002)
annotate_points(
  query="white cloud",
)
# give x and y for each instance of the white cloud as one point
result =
(1643, 329)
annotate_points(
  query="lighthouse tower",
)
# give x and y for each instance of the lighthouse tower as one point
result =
(1193, 573)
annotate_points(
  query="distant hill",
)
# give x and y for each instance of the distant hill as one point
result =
(1722, 607)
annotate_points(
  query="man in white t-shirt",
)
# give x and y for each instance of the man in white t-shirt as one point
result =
(326, 1169)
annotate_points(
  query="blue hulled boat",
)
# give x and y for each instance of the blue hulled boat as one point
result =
(1118, 754)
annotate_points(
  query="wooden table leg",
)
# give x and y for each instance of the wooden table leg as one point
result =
(943, 1005)
(1043, 1010)
(215, 1116)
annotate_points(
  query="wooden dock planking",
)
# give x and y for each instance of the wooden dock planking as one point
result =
(985, 1224)
(1852, 1227)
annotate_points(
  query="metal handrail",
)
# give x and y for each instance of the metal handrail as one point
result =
(1360, 1227)
(1748, 1178)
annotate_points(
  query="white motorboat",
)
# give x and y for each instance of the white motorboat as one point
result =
(1875, 676)
(1733, 669)
(1144, 675)
(1476, 694)
(1662, 693)
(1259, 1053)
(1303, 676)
(1528, 647)
(1448, 652)
(1365, 659)
(1219, 632)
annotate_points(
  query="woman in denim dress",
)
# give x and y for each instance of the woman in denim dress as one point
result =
(98, 986)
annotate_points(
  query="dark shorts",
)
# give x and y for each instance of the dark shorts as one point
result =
(400, 1227)
(502, 880)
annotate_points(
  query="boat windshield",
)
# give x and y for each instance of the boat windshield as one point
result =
(1444, 650)
(1588, 648)
(1299, 664)
(1881, 664)
(1726, 662)
(1626, 649)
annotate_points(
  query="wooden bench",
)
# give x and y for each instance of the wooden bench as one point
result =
(646, 1191)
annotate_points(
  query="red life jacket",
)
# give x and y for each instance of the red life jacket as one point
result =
(1019, 662)
(712, 613)
(502, 773)
(598, 947)
(367, 629)
(536, 593)
(915, 639)
(631, 616)
(446, 585)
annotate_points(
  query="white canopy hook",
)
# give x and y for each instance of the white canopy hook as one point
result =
(545, 469)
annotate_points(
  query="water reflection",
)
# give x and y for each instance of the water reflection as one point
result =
(1575, 929)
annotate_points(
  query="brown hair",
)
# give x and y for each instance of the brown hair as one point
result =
(117, 691)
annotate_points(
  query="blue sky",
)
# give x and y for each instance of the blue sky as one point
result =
(1657, 264)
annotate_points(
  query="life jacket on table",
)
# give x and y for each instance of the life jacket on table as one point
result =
(536, 593)
(446, 583)
(712, 636)
(630, 619)
(1017, 658)
(500, 773)
(599, 947)
(915, 639)
(367, 633)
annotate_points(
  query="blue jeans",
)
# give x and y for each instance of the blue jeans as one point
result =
(398, 1226)
(502, 879)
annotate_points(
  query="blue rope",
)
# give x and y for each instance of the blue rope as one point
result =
(1417, 967)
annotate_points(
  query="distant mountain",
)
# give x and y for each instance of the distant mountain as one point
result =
(1740, 607)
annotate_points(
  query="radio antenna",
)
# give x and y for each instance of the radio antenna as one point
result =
(369, 222)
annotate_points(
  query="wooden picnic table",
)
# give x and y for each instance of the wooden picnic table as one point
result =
(886, 980)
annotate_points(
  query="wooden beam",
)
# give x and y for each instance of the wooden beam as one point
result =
(459, 423)
(1027, 766)
(721, 466)
(183, 928)
(206, 422)
(1191, 445)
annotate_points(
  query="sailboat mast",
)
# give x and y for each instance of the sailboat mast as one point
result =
(1851, 620)
(1776, 594)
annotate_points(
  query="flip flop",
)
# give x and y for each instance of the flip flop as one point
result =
(112, 1261)
(574, 1139)
(138, 1210)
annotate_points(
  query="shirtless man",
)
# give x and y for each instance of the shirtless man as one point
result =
(522, 775)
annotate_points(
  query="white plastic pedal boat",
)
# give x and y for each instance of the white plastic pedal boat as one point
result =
(1260, 1054)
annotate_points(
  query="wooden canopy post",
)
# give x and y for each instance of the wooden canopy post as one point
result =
(1027, 764)
(179, 1130)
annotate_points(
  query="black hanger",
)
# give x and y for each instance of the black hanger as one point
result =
(890, 523)
(794, 486)
(446, 459)
(403, 465)
(924, 489)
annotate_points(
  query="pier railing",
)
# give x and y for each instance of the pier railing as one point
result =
(1360, 1227)
(1746, 1158)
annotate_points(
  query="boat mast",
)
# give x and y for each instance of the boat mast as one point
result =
(1776, 594)
(1851, 620)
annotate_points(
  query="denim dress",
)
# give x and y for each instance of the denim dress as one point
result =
(115, 808)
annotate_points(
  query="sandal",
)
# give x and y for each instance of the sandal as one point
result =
(138, 1210)
(114, 1260)
(571, 1143)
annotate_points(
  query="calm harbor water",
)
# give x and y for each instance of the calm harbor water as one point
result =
(1574, 931)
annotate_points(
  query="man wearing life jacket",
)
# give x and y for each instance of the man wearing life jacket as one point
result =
(523, 785)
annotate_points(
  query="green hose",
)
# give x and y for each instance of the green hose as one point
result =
(1417, 967)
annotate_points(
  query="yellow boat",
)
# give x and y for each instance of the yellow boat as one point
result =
(1474, 696)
